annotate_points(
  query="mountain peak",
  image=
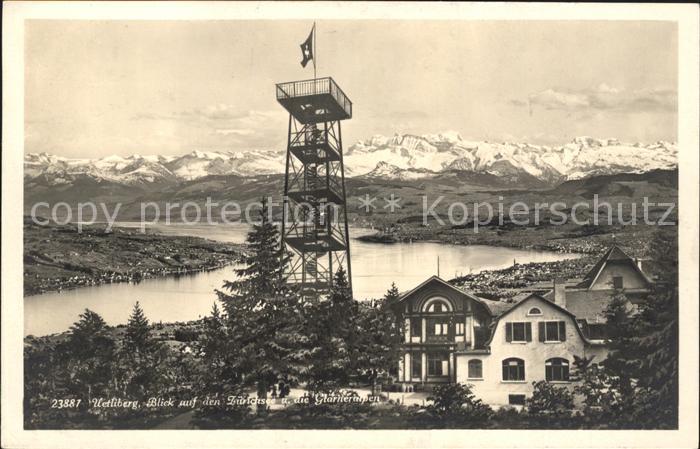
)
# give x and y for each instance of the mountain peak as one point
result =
(402, 156)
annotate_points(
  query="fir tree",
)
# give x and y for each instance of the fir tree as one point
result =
(621, 361)
(379, 335)
(262, 275)
(138, 337)
(331, 337)
(392, 295)
(214, 336)
(88, 356)
(219, 374)
(263, 317)
(87, 332)
(657, 339)
(142, 359)
(643, 362)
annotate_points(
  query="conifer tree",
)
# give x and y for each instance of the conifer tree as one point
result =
(141, 360)
(621, 361)
(219, 371)
(331, 337)
(138, 337)
(644, 348)
(87, 333)
(392, 295)
(379, 335)
(657, 339)
(263, 317)
(88, 356)
(214, 336)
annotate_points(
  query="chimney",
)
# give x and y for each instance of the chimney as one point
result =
(560, 292)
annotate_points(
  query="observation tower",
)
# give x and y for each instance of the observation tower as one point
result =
(314, 223)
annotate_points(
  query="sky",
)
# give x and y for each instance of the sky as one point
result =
(97, 88)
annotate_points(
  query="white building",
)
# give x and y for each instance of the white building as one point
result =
(501, 348)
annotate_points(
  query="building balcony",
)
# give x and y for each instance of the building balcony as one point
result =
(443, 339)
(315, 100)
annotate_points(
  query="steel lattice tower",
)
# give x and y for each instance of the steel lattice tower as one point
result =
(314, 224)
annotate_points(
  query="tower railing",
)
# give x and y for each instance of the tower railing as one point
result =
(318, 86)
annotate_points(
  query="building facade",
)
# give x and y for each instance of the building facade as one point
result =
(501, 348)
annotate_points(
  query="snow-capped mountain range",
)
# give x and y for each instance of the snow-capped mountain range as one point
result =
(398, 157)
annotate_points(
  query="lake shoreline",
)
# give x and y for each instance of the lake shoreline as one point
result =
(383, 239)
(184, 287)
(58, 258)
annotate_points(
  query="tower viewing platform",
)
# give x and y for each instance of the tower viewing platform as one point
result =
(315, 100)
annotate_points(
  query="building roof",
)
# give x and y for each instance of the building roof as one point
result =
(589, 305)
(528, 298)
(614, 254)
(485, 303)
(405, 295)
(498, 308)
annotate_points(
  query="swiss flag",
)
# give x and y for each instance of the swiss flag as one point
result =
(307, 48)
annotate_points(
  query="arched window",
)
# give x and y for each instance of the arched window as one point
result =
(556, 369)
(534, 311)
(437, 305)
(513, 369)
(475, 369)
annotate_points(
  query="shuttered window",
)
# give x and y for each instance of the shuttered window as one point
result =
(518, 332)
(552, 331)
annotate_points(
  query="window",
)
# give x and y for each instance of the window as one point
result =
(438, 307)
(518, 332)
(552, 330)
(516, 399)
(556, 369)
(459, 329)
(475, 369)
(534, 311)
(513, 369)
(416, 365)
(438, 364)
(617, 282)
(440, 329)
(416, 327)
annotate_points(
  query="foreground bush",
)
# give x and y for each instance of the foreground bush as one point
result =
(454, 405)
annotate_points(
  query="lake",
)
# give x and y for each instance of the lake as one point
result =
(187, 297)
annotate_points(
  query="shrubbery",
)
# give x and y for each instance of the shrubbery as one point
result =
(454, 405)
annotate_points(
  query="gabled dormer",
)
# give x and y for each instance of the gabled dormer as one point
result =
(615, 271)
